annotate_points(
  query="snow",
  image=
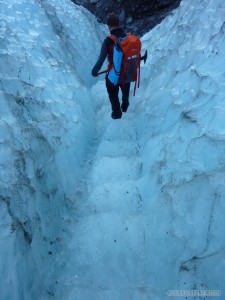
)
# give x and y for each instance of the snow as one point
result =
(94, 208)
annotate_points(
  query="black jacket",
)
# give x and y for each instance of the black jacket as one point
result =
(105, 50)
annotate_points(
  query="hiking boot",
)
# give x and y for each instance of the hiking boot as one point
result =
(124, 106)
(116, 116)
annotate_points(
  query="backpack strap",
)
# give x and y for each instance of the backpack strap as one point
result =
(113, 37)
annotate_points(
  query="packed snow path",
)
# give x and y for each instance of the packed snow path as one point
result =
(108, 245)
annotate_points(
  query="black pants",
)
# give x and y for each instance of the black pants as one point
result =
(113, 91)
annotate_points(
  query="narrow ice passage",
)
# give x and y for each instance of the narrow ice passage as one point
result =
(145, 213)
(148, 209)
(108, 251)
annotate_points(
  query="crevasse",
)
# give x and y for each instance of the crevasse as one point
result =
(93, 208)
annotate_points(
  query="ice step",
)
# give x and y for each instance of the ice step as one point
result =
(122, 197)
(115, 148)
(116, 169)
(108, 251)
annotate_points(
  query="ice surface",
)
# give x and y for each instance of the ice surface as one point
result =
(44, 107)
(94, 208)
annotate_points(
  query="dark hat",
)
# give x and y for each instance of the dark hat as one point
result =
(112, 20)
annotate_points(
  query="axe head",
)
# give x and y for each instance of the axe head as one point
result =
(145, 56)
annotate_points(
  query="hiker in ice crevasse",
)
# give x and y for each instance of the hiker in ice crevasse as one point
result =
(121, 71)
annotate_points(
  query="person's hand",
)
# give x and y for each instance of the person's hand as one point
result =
(94, 73)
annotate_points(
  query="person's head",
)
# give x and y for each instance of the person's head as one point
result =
(112, 21)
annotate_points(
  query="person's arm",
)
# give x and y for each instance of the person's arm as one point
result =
(101, 59)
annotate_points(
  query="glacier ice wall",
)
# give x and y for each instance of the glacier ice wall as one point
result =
(46, 124)
(181, 121)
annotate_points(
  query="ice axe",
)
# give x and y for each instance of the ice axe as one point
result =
(145, 56)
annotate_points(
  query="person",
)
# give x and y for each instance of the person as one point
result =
(115, 29)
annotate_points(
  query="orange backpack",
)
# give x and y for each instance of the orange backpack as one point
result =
(130, 68)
